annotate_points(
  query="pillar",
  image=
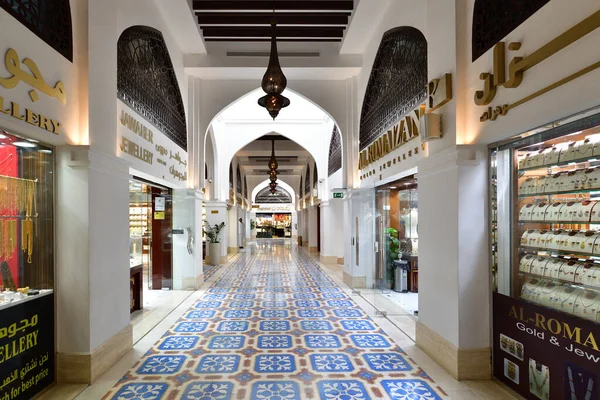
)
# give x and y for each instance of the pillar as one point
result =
(454, 298)
(313, 230)
(216, 213)
(232, 227)
(332, 249)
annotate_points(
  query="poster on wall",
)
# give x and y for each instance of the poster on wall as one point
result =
(27, 348)
(544, 354)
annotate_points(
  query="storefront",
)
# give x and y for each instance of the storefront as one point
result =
(273, 225)
(543, 216)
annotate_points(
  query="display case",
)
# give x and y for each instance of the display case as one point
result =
(545, 259)
(26, 219)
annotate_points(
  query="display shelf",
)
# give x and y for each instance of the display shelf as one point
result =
(524, 249)
(561, 281)
(562, 193)
(580, 163)
(561, 222)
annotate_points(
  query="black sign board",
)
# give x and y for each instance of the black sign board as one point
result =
(541, 353)
(27, 348)
(177, 232)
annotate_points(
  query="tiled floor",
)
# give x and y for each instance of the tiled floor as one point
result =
(275, 326)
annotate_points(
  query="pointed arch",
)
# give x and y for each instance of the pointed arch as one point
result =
(238, 180)
(307, 180)
(495, 19)
(397, 83)
(50, 20)
(147, 83)
(335, 152)
(281, 196)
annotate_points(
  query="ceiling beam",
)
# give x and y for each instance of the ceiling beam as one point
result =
(265, 32)
(205, 19)
(257, 5)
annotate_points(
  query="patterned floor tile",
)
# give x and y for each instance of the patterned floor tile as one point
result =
(274, 326)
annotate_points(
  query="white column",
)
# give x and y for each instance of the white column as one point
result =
(454, 307)
(312, 230)
(294, 225)
(232, 227)
(216, 213)
(332, 249)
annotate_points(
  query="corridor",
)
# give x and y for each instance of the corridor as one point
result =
(274, 325)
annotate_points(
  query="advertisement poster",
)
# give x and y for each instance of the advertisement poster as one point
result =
(544, 354)
(27, 348)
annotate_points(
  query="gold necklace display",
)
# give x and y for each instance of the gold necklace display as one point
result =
(18, 199)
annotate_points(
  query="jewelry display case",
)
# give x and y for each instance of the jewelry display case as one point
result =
(545, 258)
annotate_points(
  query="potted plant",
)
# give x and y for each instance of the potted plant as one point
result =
(392, 251)
(214, 241)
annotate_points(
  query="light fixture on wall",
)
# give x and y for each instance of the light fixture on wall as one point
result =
(274, 81)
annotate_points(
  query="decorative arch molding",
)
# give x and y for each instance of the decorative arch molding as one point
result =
(50, 20)
(398, 82)
(147, 83)
(307, 180)
(238, 178)
(495, 19)
(281, 196)
(335, 152)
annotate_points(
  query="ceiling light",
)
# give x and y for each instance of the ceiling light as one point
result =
(33, 140)
(45, 151)
(393, 187)
(274, 81)
(24, 144)
(3, 136)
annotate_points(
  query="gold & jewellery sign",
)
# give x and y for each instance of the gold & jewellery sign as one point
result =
(32, 77)
(519, 64)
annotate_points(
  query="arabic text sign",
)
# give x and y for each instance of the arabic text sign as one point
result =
(147, 149)
(519, 64)
(27, 348)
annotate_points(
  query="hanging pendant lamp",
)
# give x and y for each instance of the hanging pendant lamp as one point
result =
(274, 81)
(273, 165)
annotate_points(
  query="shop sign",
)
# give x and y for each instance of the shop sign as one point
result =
(338, 195)
(519, 64)
(27, 348)
(541, 353)
(159, 215)
(149, 150)
(32, 77)
(403, 132)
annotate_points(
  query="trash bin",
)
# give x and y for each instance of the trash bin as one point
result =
(401, 268)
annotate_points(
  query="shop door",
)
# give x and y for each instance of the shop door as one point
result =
(161, 270)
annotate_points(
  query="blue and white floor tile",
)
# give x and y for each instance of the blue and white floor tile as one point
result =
(274, 326)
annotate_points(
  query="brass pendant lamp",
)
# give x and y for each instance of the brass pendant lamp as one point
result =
(274, 81)
(273, 165)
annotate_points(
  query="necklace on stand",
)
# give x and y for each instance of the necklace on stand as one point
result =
(539, 387)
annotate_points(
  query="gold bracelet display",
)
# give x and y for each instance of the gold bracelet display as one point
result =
(9, 238)
(18, 195)
(27, 238)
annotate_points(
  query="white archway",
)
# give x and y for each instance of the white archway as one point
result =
(281, 183)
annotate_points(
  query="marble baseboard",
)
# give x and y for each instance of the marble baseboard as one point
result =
(355, 282)
(232, 250)
(224, 260)
(462, 364)
(328, 259)
(87, 367)
(340, 260)
(313, 250)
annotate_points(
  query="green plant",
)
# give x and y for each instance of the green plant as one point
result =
(212, 232)
(252, 224)
(392, 247)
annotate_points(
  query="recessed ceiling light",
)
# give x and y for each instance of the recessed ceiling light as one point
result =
(393, 187)
(45, 151)
(33, 140)
(2, 136)
(24, 144)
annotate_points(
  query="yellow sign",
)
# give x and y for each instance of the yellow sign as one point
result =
(439, 92)
(33, 79)
(518, 65)
(14, 110)
(133, 149)
(403, 132)
(159, 215)
(136, 127)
